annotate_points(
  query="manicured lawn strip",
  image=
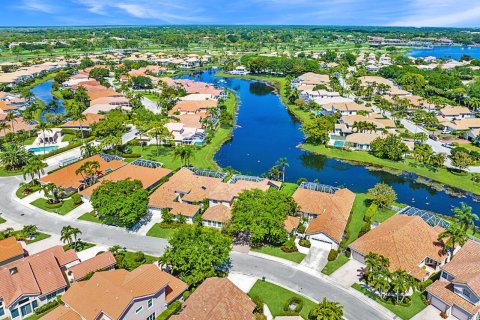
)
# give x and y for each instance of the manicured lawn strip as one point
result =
(383, 214)
(356, 221)
(159, 232)
(296, 257)
(2, 220)
(89, 217)
(441, 175)
(202, 157)
(275, 297)
(19, 193)
(129, 256)
(8, 173)
(333, 266)
(38, 237)
(289, 188)
(404, 312)
(81, 245)
(62, 210)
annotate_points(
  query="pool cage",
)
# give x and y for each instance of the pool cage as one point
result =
(238, 177)
(110, 157)
(208, 173)
(318, 187)
(147, 163)
(428, 217)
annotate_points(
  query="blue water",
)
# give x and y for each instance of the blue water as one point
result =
(444, 52)
(43, 91)
(42, 149)
(266, 132)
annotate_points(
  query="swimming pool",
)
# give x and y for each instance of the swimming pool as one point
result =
(42, 149)
(339, 143)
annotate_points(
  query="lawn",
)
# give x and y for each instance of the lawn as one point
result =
(333, 266)
(289, 188)
(356, 220)
(19, 193)
(202, 157)
(441, 175)
(39, 236)
(404, 312)
(89, 217)
(275, 297)
(296, 257)
(2, 220)
(159, 232)
(63, 209)
(81, 245)
(9, 173)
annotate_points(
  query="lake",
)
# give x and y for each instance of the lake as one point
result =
(445, 52)
(266, 131)
(43, 91)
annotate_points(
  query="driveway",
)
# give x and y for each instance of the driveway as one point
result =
(348, 274)
(430, 313)
(316, 258)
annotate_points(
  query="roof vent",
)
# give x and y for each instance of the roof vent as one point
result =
(13, 270)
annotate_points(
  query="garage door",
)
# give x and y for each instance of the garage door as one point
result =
(321, 243)
(439, 304)
(460, 314)
(357, 256)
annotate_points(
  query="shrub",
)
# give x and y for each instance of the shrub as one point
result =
(443, 314)
(258, 304)
(289, 246)
(305, 243)
(372, 209)
(424, 284)
(46, 307)
(139, 256)
(293, 300)
(186, 295)
(332, 255)
(77, 199)
(348, 253)
(130, 155)
(173, 308)
(301, 228)
(260, 316)
(365, 228)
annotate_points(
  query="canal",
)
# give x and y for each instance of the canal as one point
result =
(43, 91)
(266, 131)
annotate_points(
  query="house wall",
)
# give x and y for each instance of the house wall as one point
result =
(159, 305)
(439, 304)
(358, 256)
(212, 224)
(34, 301)
(466, 293)
(321, 239)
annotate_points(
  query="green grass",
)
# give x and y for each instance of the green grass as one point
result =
(89, 217)
(129, 256)
(2, 220)
(356, 220)
(275, 297)
(19, 193)
(159, 232)
(202, 157)
(9, 173)
(62, 210)
(81, 245)
(289, 188)
(333, 266)
(404, 312)
(38, 237)
(442, 175)
(296, 257)
(383, 214)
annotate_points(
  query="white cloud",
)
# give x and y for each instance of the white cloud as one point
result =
(37, 5)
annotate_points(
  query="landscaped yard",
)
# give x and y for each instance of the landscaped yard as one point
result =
(160, 232)
(61, 208)
(404, 312)
(89, 217)
(333, 266)
(275, 297)
(39, 236)
(80, 246)
(296, 257)
(19, 193)
(289, 188)
(2, 220)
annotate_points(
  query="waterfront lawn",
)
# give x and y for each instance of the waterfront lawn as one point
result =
(404, 312)
(333, 266)
(275, 297)
(88, 216)
(356, 220)
(80, 246)
(160, 232)
(61, 208)
(296, 257)
(383, 214)
(289, 188)
(441, 175)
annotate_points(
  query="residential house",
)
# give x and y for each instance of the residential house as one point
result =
(86, 124)
(101, 262)
(457, 292)
(217, 299)
(217, 216)
(328, 210)
(361, 140)
(10, 250)
(344, 108)
(408, 242)
(455, 113)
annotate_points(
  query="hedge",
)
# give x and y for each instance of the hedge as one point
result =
(257, 300)
(69, 147)
(173, 308)
(332, 255)
(293, 300)
(371, 210)
(46, 307)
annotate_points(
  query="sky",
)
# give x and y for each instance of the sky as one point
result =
(418, 13)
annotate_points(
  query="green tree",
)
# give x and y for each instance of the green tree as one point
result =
(316, 130)
(461, 160)
(283, 163)
(34, 167)
(123, 203)
(196, 253)
(465, 217)
(382, 195)
(391, 147)
(326, 310)
(13, 156)
(452, 237)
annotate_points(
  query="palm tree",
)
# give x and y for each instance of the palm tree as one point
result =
(29, 231)
(43, 126)
(34, 166)
(4, 126)
(179, 152)
(66, 235)
(75, 232)
(188, 154)
(14, 156)
(452, 237)
(474, 103)
(465, 217)
(52, 192)
(326, 310)
(282, 162)
(89, 172)
(11, 117)
(77, 115)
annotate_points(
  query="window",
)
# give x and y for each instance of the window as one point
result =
(51, 295)
(150, 303)
(14, 313)
(34, 304)
(151, 317)
(2, 311)
(139, 309)
(466, 293)
(26, 309)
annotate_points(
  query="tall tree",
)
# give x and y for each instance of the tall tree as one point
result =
(326, 310)
(465, 217)
(452, 237)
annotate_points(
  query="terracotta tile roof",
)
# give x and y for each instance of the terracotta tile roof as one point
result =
(100, 262)
(229, 191)
(364, 138)
(217, 299)
(67, 178)
(405, 240)
(90, 119)
(193, 105)
(444, 291)
(62, 313)
(219, 213)
(183, 209)
(10, 248)
(38, 274)
(291, 223)
(454, 111)
(147, 176)
(332, 210)
(111, 292)
(19, 124)
(465, 266)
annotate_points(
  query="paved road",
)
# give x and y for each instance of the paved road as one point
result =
(309, 285)
(91, 232)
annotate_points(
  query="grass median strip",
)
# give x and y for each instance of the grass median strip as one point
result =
(296, 257)
(61, 208)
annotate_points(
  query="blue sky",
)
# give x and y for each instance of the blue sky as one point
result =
(454, 13)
